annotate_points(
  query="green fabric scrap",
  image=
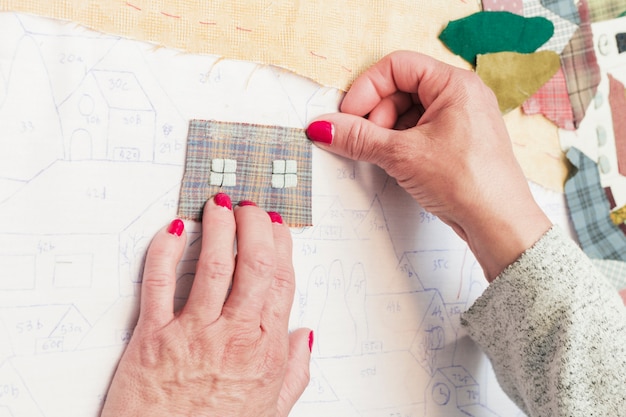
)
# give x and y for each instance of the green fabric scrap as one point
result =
(515, 77)
(488, 32)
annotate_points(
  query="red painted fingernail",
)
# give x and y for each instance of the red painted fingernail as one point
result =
(320, 131)
(276, 218)
(223, 200)
(311, 339)
(245, 203)
(176, 227)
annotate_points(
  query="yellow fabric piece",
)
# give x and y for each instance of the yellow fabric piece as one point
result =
(514, 77)
(329, 41)
(619, 216)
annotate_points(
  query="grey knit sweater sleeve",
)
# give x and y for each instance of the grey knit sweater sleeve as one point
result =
(555, 332)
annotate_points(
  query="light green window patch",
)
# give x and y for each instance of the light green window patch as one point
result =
(223, 172)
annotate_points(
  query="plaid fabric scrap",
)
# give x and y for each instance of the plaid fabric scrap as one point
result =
(589, 209)
(565, 8)
(254, 148)
(580, 66)
(563, 28)
(606, 9)
(552, 100)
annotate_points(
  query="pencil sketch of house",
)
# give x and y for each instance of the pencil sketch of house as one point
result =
(109, 117)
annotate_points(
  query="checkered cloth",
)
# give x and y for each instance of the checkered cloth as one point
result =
(552, 100)
(565, 8)
(614, 271)
(589, 209)
(606, 9)
(254, 147)
(580, 66)
(563, 28)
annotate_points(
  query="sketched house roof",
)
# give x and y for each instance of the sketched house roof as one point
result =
(270, 165)
(109, 116)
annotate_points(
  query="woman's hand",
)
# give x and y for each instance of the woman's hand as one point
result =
(438, 131)
(222, 355)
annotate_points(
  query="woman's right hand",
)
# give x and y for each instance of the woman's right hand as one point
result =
(438, 131)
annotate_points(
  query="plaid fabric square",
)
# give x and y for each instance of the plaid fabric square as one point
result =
(552, 100)
(563, 28)
(589, 209)
(580, 66)
(606, 9)
(254, 148)
(565, 8)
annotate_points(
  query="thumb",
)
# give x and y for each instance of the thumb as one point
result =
(353, 137)
(297, 375)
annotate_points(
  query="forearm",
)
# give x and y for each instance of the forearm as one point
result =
(555, 332)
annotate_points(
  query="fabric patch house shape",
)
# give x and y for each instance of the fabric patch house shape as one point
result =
(270, 165)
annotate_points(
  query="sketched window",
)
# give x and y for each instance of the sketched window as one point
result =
(284, 173)
(223, 172)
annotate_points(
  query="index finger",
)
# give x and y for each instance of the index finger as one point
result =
(404, 71)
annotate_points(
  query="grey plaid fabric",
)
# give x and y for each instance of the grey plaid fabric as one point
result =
(565, 8)
(563, 28)
(254, 148)
(590, 212)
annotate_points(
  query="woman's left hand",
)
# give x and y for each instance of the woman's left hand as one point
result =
(222, 354)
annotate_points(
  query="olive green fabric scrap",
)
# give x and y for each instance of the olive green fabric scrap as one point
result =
(489, 32)
(515, 77)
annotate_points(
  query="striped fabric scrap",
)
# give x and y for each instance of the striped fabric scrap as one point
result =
(579, 63)
(590, 211)
(248, 162)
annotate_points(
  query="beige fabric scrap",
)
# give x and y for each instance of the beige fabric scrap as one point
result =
(328, 41)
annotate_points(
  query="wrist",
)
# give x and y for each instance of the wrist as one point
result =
(498, 239)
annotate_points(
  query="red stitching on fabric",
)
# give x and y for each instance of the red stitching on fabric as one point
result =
(317, 55)
(133, 6)
(170, 15)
